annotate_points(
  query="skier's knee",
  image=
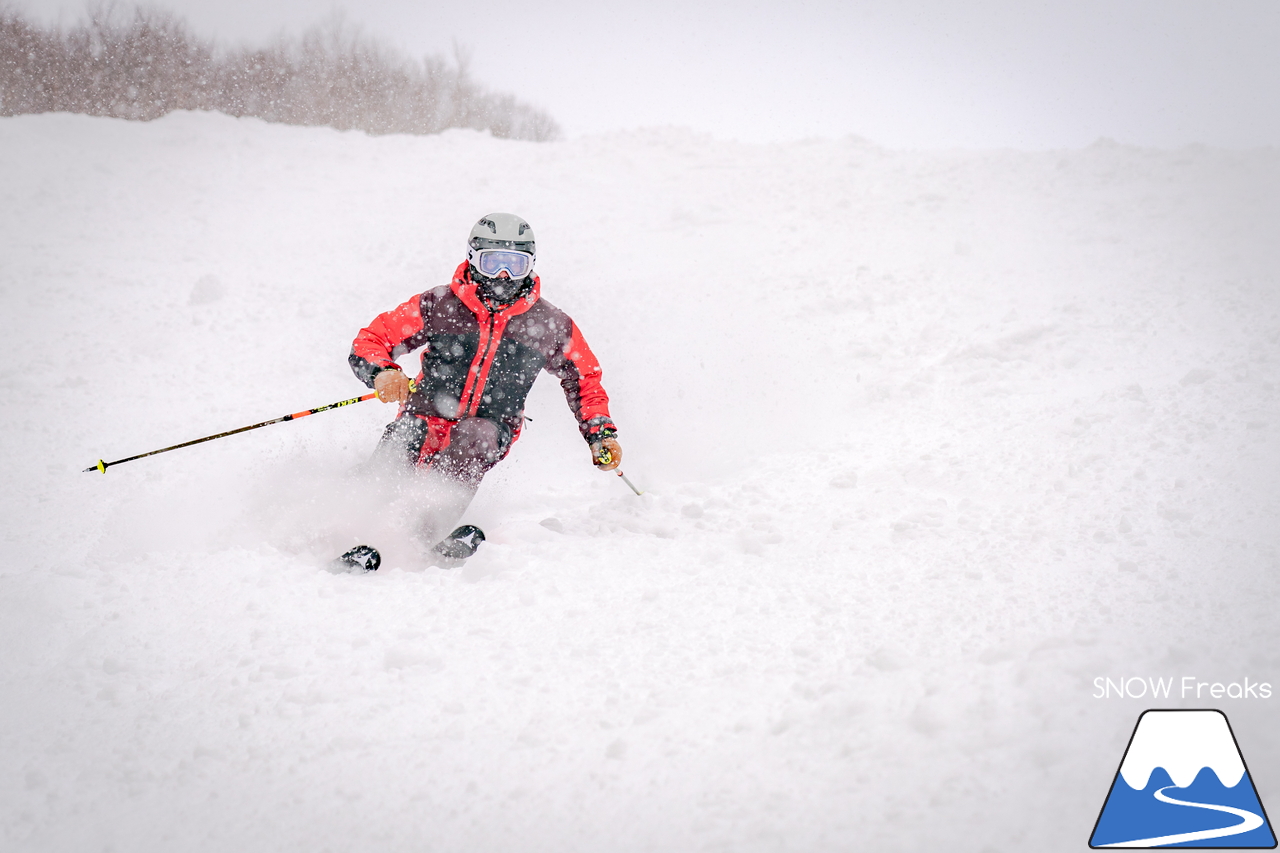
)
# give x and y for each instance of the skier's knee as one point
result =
(482, 438)
(475, 446)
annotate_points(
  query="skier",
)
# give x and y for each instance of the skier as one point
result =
(486, 334)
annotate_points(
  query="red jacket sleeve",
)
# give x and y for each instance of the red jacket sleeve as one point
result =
(579, 375)
(391, 334)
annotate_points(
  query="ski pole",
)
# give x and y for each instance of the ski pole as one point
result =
(103, 466)
(629, 483)
(604, 457)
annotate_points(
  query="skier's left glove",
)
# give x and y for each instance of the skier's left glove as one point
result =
(606, 453)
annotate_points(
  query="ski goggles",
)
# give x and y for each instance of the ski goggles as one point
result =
(491, 262)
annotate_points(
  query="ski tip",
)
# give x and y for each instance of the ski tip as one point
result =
(461, 543)
(362, 558)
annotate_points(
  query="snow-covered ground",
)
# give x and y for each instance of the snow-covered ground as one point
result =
(931, 441)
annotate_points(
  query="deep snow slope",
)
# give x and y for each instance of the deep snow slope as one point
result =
(931, 441)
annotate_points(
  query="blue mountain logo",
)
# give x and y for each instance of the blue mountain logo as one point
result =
(1182, 783)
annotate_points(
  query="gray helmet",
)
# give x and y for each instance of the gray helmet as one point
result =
(500, 252)
(501, 231)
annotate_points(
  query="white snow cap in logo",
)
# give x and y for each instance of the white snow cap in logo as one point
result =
(1183, 743)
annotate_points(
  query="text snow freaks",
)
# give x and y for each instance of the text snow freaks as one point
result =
(1187, 687)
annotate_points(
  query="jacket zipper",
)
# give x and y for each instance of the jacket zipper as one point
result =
(478, 385)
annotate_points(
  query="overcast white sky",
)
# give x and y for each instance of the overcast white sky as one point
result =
(904, 73)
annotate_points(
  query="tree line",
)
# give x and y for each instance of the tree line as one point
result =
(143, 63)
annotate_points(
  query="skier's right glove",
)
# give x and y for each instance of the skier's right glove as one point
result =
(606, 453)
(391, 385)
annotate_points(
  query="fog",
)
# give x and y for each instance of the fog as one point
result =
(905, 75)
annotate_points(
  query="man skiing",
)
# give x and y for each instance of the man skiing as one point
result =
(487, 335)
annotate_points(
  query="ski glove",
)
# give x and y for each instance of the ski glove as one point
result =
(606, 453)
(392, 386)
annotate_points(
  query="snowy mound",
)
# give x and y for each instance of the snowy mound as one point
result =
(930, 441)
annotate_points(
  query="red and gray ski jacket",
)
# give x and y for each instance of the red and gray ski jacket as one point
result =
(480, 362)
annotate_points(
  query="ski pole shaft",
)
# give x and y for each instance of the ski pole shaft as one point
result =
(604, 457)
(629, 483)
(103, 466)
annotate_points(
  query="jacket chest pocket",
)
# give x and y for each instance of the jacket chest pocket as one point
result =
(448, 356)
